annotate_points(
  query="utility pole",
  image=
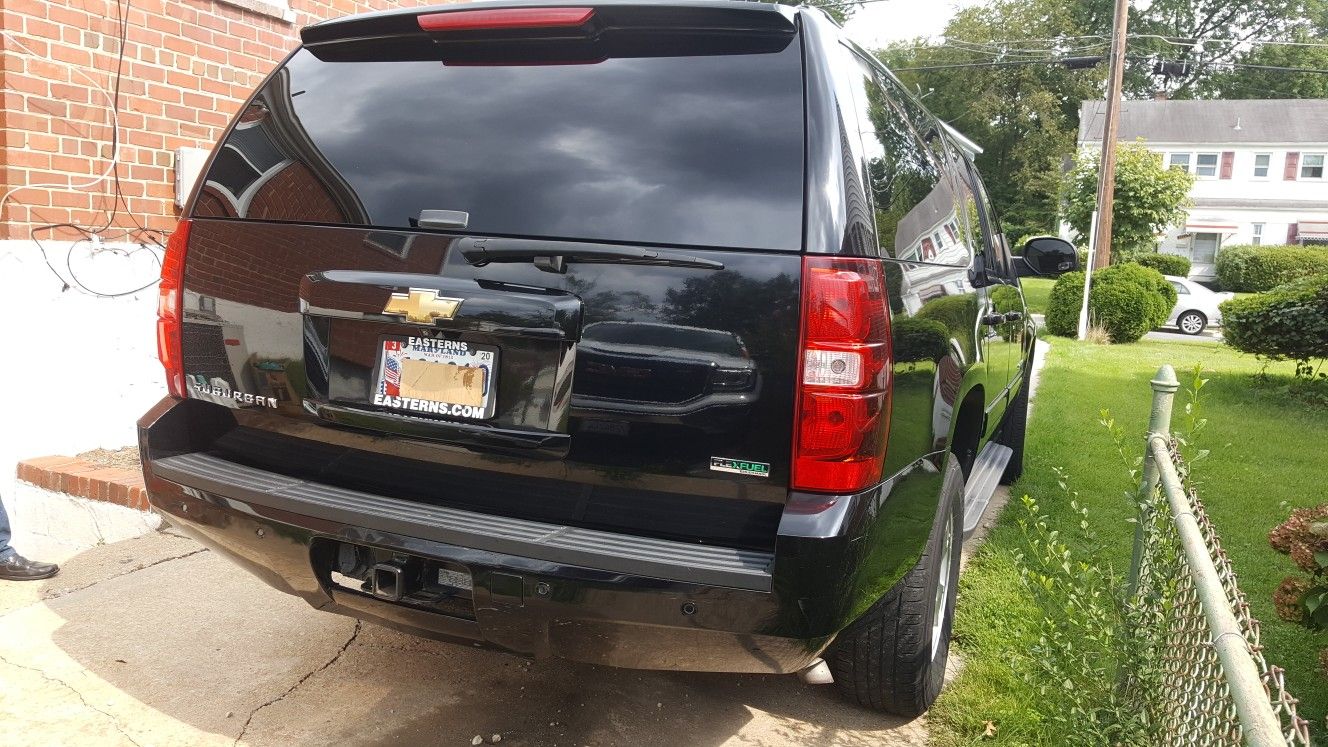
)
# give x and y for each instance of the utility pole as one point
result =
(1106, 185)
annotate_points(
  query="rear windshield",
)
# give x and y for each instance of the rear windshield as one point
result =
(703, 151)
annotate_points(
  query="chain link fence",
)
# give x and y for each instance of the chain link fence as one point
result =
(1211, 684)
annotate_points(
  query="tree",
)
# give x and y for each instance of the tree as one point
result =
(1223, 30)
(1149, 197)
(1025, 117)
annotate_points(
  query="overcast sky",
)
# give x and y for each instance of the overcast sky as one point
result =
(879, 23)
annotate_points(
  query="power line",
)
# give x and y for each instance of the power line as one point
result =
(1132, 58)
(1179, 41)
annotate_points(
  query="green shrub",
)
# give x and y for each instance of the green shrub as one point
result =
(1124, 309)
(1005, 298)
(957, 313)
(1289, 322)
(1254, 269)
(1167, 264)
(1159, 295)
(1127, 299)
(1067, 296)
(917, 340)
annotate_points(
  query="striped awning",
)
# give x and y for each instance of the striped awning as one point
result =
(1205, 225)
(1312, 229)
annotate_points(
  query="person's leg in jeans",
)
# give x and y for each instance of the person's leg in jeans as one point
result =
(15, 567)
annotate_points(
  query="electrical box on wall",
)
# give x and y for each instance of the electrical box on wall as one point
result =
(188, 166)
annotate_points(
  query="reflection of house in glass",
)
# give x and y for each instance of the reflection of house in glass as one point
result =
(933, 233)
(242, 328)
(268, 168)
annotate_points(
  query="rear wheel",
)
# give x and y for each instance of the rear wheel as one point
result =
(1191, 322)
(893, 657)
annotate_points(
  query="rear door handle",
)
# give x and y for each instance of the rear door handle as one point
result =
(1013, 316)
(993, 320)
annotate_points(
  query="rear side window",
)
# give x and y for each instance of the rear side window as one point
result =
(688, 150)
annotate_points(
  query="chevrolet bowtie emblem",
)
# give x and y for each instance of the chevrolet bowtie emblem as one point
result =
(421, 306)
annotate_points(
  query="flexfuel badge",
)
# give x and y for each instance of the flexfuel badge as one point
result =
(740, 466)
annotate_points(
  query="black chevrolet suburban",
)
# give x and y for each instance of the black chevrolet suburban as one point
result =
(670, 334)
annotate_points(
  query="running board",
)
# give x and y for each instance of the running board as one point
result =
(982, 482)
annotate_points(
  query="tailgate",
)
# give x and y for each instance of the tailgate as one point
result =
(553, 282)
(654, 400)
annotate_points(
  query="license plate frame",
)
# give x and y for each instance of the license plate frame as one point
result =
(436, 377)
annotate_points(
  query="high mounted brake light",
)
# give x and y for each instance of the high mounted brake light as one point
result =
(170, 309)
(506, 18)
(843, 410)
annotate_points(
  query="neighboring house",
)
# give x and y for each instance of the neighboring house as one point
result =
(1260, 166)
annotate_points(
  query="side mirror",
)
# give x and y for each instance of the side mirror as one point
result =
(1047, 256)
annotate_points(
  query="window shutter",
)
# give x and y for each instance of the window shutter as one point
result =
(1291, 233)
(1292, 163)
(1228, 161)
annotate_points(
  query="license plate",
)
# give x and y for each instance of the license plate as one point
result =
(426, 376)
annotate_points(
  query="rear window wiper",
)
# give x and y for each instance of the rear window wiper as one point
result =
(553, 256)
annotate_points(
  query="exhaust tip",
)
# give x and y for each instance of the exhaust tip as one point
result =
(818, 673)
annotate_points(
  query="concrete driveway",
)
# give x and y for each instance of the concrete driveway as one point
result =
(157, 641)
(1168, 334)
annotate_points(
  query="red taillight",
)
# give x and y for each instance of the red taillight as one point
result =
(506, 18)
(844, 376)
(170, 309)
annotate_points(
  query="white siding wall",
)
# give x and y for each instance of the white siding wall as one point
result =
(1244, 185)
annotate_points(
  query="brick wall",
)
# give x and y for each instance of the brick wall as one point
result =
(188, 65)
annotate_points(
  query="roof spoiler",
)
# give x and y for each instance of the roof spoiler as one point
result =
(475, 32)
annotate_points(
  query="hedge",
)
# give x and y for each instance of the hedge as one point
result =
(1289, 322)
(955, 312)
(1124, 309)
(1167, 264)
(916, 340)
(1067, 296)
(1127, 299)
(1255, 269)
(1159, 303)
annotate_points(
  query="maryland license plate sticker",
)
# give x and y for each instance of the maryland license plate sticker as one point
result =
(437, 377)
(739, 466)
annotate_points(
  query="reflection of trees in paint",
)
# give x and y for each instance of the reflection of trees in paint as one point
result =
(610, 305)
(766, 309)
(917, 340)
(957, 313)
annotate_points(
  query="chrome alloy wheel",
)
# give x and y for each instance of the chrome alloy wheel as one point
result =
(942, 591)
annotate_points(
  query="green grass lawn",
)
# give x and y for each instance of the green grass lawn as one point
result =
(1267, 450)
(1036, 293)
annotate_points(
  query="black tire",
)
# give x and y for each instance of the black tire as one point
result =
(885, 659)
(1192, 323)
(1015, 428)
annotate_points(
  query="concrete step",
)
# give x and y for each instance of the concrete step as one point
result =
(982, 482)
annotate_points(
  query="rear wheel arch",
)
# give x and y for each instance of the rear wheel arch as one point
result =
(966, 433)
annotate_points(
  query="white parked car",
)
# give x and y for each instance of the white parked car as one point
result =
(1196, 306)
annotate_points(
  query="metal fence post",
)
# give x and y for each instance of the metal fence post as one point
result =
(1164, 385)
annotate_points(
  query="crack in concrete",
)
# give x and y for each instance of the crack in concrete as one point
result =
(57, 593)
(50, 594)
(49, 678)
(335, 657)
